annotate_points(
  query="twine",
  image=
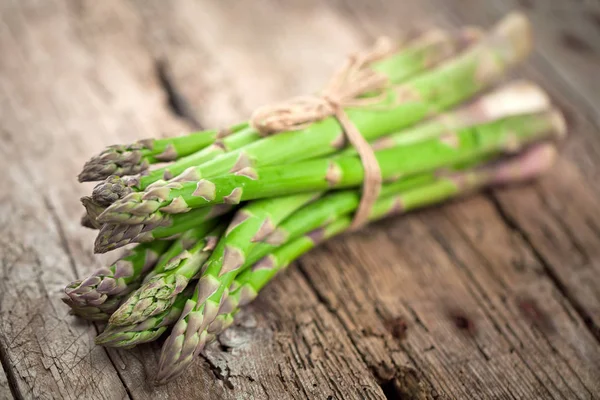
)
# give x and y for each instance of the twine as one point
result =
(345, 89)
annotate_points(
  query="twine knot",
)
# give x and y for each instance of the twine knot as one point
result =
(356, 85)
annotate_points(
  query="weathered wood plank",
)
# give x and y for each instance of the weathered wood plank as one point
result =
(568, 246)
(453, 302)
(63, 93)
(227, 59)
(465, 309)
(122, 107)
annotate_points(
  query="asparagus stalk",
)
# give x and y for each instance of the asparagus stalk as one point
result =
(135, 158)
(160, 289)
(420, 54)
(508, 134)
(424, 52)
(190, 333)
(99, 295)
(249, 225)
(113, 236)
(513, 99)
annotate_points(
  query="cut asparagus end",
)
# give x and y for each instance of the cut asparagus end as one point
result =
(515, 98)
(516, 29)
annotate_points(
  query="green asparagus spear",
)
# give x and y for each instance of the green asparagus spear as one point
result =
(508, 134)
(135, 158)
(191, 331)
(512, 99)
(147, 330)
(113, 236)
(160, 289)
(99, 295)
(437, 89)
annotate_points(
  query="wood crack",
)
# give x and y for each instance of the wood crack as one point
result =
(13, 382)
(177, 102)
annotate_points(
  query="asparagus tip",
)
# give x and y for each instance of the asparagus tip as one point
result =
(110, 190)
(114, 160)
(87, 222)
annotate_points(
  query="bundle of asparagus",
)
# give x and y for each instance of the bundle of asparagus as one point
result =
(236, 206)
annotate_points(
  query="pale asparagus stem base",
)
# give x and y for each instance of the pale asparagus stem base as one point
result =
(425, 51)
(526, 166)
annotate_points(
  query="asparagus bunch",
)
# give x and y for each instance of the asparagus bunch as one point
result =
(234, 207)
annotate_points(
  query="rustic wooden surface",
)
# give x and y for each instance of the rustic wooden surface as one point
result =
(496, 296)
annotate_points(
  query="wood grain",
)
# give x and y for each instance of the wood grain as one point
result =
(558, 219)
(495, 296)
(5, 393)
(65, 92)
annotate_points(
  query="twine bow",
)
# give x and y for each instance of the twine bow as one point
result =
(346, 88)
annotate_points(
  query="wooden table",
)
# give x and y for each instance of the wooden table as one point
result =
(496, 296)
